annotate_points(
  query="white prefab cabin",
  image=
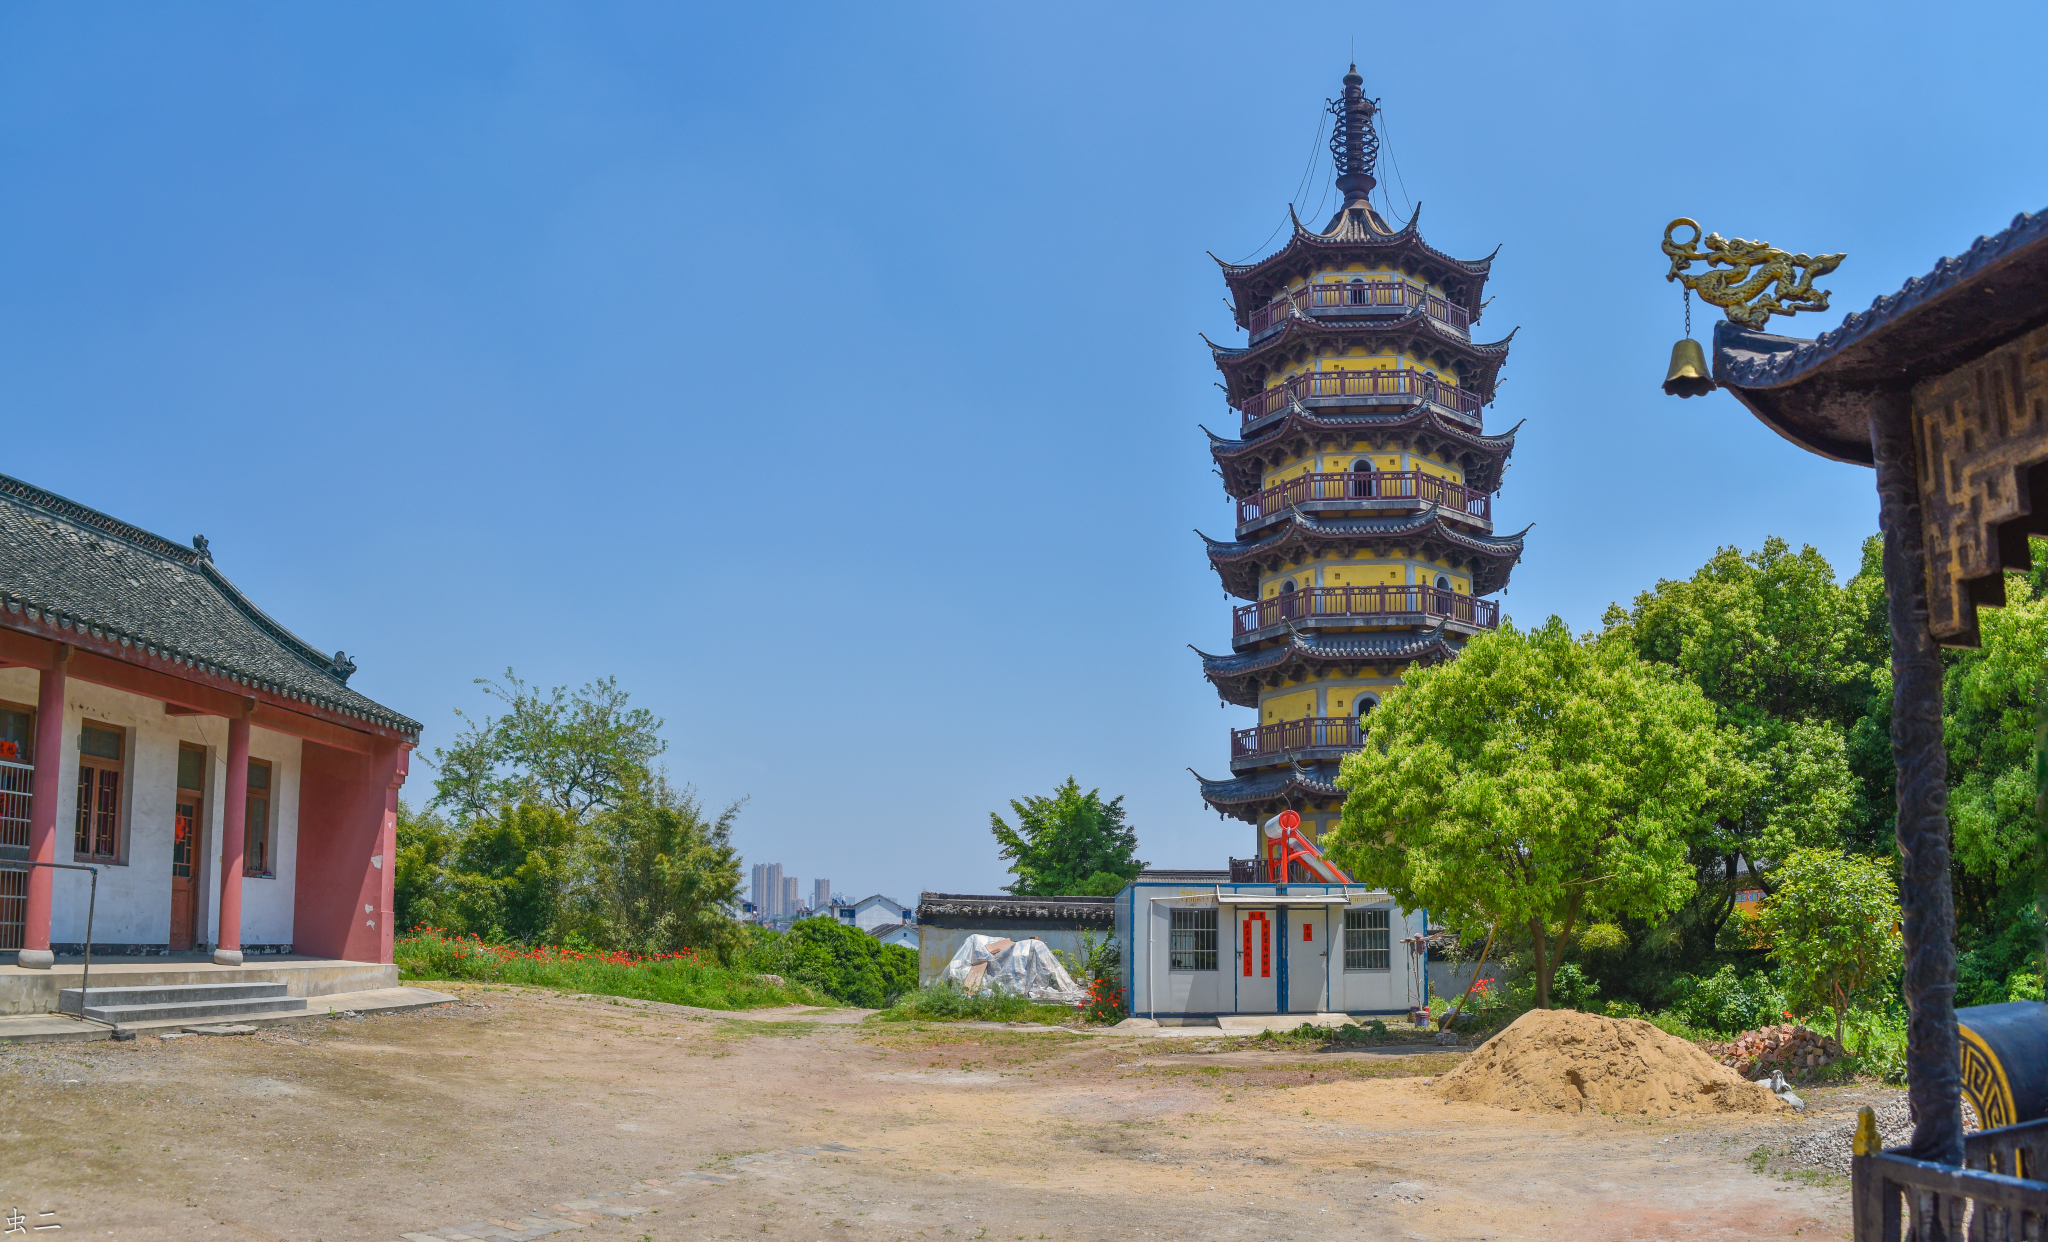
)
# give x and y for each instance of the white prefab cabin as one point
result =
(1194, 947)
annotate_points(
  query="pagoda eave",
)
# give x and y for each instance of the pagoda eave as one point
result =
(1417, 334)
(1301, 431)
(1253, 284)
(1239, 678)
(1488, 558)
(1256, 798)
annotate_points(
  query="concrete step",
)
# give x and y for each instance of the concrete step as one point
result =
(170, 994)
(207, 1011)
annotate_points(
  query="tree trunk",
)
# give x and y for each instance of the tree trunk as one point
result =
(1933, 1049)
(1542, 964)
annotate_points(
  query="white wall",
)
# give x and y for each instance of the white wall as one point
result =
(875, 914)
(1158, 989)
(134, 901)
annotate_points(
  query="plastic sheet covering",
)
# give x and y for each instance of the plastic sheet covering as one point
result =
(1025, 967)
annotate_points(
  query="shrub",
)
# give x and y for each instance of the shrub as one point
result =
(1727, 1002)
(1105, 1002)
(2023, 986)
(842, 961)
(681, 978)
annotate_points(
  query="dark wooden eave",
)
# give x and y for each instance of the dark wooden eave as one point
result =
(1239, 677)
(1302, 432)
(1348, 239)
(1305, 537)
(1417, 334)
(1815, 393)
(1254, 798)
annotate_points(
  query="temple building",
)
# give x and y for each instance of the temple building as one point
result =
(1363, 480)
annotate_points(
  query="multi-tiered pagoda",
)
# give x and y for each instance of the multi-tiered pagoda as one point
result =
(1363, 480)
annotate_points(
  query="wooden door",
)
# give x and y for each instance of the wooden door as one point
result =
(184, 875)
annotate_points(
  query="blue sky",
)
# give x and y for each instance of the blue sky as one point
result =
(830, 374)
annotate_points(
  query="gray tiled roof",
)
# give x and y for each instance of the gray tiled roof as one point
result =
(84, 570)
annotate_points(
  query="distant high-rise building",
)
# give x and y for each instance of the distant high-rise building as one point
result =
(821, 896)
(792, 893)
(768, 890)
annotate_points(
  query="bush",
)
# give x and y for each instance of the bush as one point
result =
(1727, 1003)
(842, 961)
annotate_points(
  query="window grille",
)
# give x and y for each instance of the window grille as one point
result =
(1365, 940)
(100, 754)
(1191, 940)
(256, 826)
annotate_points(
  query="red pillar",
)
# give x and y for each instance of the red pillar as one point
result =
(233, 842)
(44, 790)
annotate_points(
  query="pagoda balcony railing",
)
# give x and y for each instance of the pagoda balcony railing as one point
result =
(1416, 485)
(1358, 297)
(1390, 382)
(1310, 733)
(1364, 603)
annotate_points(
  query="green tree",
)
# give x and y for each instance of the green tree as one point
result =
(1537, 780)
(508, 876)
(1787, 659)
(1832, 927)
(662, 876)
(1071, 844)
(577, 752)
(419, 885)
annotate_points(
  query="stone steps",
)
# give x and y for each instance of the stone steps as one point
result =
(179, 1002)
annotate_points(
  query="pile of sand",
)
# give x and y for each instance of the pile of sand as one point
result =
(1564, 1061)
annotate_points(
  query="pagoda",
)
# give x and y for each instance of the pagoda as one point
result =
(1363, 480)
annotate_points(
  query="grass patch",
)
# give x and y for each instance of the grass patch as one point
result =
(678, 979)
(945, 1002)
(1311, 1038)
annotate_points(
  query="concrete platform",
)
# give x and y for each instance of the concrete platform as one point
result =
(53, 1028)
(24, 991)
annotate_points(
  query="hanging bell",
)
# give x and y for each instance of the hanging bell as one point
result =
(1688, 376)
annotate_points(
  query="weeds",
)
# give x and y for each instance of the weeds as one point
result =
(676, 978)
(945, 1002)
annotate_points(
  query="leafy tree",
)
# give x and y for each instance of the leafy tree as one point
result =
(1989, 697)
(1071, 844)
(419, 889)
(508, 876)
(1786, 658)
(1537, 779)
(1832, 926)
(577, 752)
(662, 875)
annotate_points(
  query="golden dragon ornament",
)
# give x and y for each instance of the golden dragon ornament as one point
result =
(1744, 289)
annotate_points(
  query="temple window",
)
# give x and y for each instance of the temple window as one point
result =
(101, 767)
(256, 858)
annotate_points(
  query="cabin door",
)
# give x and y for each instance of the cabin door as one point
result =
(1256, 947)
(1308, 959)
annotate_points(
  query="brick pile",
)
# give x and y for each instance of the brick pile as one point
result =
(1793, 1049)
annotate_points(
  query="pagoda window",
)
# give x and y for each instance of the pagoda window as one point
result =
(1442, 583)
(1357, 294)
(1287, 600)
(1366, 703)
(1362, 482)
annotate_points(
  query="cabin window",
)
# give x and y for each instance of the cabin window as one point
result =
(1365, 940)
(256, 833)
(101, 767)
(1191, 940)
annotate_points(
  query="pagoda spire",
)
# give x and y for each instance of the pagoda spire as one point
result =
(1354, 145)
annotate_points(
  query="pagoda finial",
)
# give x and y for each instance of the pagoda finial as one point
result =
(1353, 144)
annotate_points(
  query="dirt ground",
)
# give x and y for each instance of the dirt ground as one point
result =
(514, 1106)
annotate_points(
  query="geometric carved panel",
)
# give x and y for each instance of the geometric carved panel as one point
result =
(1982, 431)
